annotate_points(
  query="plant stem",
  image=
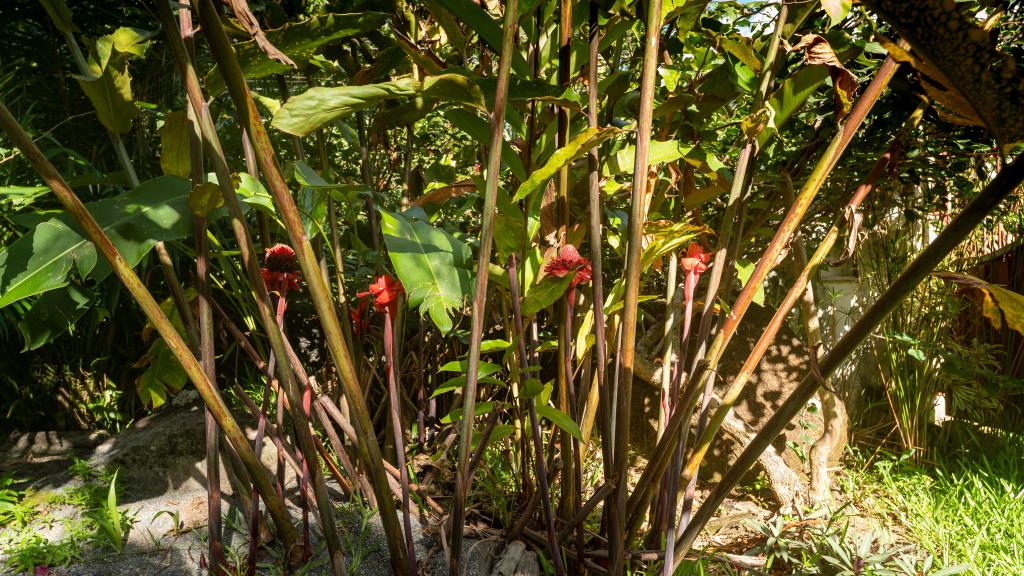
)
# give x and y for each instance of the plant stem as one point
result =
(151, 308)
(627, 350)
(659, 460)
(480, 293)
(396, 427)
(1004, 184)
(540, 466)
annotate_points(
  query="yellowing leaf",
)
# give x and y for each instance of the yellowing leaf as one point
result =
(997, 303)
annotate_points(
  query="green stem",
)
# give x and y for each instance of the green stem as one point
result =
(627, 351)
(319, 294)
(660, 459)
(151, 308)
(1004, 184)
(480, 293)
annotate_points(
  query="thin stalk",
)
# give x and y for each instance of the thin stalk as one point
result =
(366, 172)
(568, 503)
(660, 458)
(794, 294)
(596, 246)
(204, 318)
(540, 467)
(573, 406)
(391, 368)
(151, 308)
(249, 116)
(462, 487)
(237, 219)
(723, 258)
(1004, 184)
(637, 219)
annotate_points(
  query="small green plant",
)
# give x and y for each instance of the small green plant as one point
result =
(15, 508)
(31, 550)
(355, 540)
(112, 524)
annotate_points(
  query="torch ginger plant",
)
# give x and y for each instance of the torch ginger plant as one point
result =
(386, 292)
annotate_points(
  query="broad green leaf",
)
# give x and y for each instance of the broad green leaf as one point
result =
(559, 419)
(304, 113)
(312, 199)
(455, 88)
(163, 375)
(545, 293)
(111, 95)
(435, 268)
(19, 197)
(478, 20)
(135, 221)
(252, 193)
(175, 149)
(997, 303)
(788, 98)
(562, 157)
(205, 198)
(480, 130)
(299, 41)
(53, 314)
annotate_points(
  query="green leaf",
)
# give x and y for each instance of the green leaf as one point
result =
(788, 98)
(435, 268)
(480, 130)
(111, 95)
(303, 114)
(175, 146)
(532, 388)
(460, 382)
(299, 41)
(493, 345)
(205, 198)
(743, 270)
(456, 415)
(560, 419)
(53, 314)
(485, 368)
(487, 28)
(545, 293)
(163, 376)
(562, 157)
(136, 220)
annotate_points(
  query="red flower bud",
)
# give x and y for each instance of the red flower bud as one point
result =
(568, 261)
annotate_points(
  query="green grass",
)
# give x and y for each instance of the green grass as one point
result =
(965, 508)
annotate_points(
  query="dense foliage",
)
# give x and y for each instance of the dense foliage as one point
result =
(461, 229)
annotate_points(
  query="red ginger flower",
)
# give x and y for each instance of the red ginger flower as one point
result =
(694, 264)
(568, 261)
(280, 269)
(385, 292)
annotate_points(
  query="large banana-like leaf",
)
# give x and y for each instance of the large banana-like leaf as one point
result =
(303, 114)
(299, 41)
(135, 221)
(435, 268)
(53, 314)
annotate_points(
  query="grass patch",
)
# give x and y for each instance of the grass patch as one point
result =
(966, 508)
